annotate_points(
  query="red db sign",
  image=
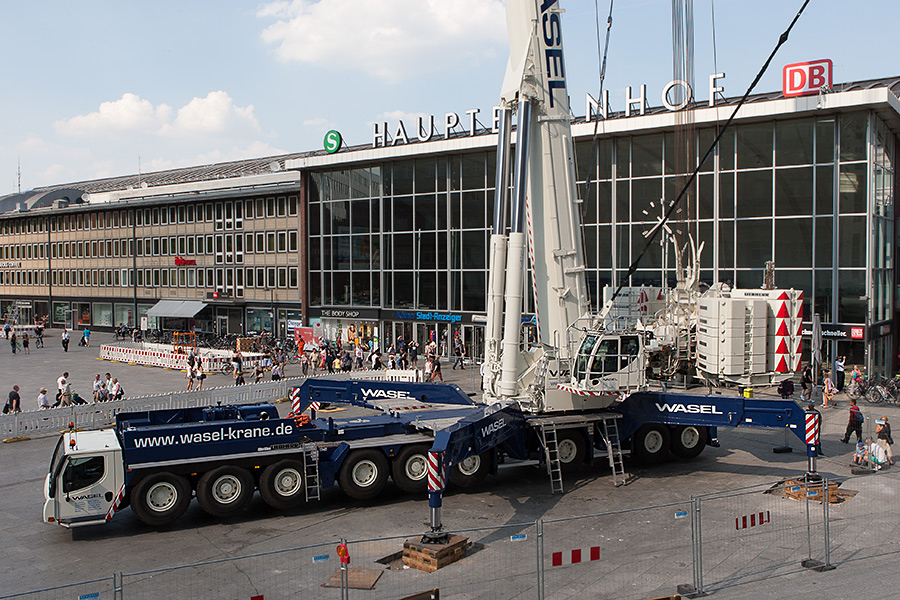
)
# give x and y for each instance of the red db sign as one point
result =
(800, 79)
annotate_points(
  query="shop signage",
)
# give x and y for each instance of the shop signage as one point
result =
(427, 316)
(181, 262)
(11, 264)
(23, 303)
(836, 331)
(333, 141)
(425, 128)
(345, 313)
(803, 79)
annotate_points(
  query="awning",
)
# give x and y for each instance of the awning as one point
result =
(176, 308)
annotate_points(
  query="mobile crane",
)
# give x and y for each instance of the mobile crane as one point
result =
(583, 391)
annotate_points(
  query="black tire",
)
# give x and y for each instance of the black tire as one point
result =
(688, 441)
(651, 442)
(160, 499)
(572, 449)
(410, 469)
(225, 491)
(471, 471)
(282, 485)
(364, 474)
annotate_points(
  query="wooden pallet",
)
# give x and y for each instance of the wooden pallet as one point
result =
(796, 489)
(431, 557)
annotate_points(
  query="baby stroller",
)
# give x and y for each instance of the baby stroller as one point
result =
(786, 388)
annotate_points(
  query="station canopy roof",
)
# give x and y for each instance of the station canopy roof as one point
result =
(176, 308)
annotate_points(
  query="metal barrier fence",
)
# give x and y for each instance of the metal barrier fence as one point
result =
(699, 546)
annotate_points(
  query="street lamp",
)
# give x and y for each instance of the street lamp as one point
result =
(865, 301)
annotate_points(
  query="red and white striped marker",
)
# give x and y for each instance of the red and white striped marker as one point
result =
(575, 556)
(295, 401)
(760, 518)
(437, 473)
(812, 428)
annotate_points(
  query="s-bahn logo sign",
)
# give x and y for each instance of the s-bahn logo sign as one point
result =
(803, 79)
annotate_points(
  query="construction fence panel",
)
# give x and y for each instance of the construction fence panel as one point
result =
(94, 589)
(492, 563)
(629, 554)
(291, 573)
(863, 518)
(758, 532)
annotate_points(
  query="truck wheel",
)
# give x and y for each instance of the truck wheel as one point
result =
(571, 449)
(410, 469)
(651, 442)
(281, 484)
(471, 471)
(688, 441)
(225, 491)
(364, 474)
(160, 499)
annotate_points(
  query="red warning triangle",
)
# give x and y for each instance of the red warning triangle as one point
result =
(782, 366)
(782, 347)
(799, 347)
(783, 312)
(783, 296)
(800, 312)
(800, 329)
(783, 330)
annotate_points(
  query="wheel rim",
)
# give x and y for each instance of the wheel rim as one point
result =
(653, 441)
(227, 489)
(365, 473)
(470, 465)
(288, 482)
(567, 451)
(161, 496)
(690, 437)
(416, 467)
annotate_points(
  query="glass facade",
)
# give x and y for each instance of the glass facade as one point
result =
(802, 192)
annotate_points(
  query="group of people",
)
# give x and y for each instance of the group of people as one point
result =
(832, 382)
(24, 343)
(104, 389)
(194, 371)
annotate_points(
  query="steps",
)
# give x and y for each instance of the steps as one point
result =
(311, 471)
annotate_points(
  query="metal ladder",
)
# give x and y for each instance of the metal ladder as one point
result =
(614, 449)
(551, 454)
(311, 471)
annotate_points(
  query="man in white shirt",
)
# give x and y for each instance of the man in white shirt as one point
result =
(65, 395)
(875, 455)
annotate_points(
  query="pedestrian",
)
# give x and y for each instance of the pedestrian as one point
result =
(107, 378)
(103, 394)
(117, 392)
(39, 336)
(6, 329)
(238, 376)
(276, 371)
(86, 336)
(199, 374)
(257, 372)
(96, 385)
(43, 401)
(13, 402)
(413, 351)
(839, 373)
(304, 365)
(854, 423)
(436, 369)
(806, 384)
(427, 369)
(26, 343)
(875, 455)
(191, 375)
(460, 352)
(61, 385)
(64, 339)
(883, 437)
(13, 341)
(828, 392)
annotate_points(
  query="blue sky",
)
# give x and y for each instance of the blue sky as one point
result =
(92, 88)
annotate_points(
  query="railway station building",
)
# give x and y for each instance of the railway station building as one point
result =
(390, 238)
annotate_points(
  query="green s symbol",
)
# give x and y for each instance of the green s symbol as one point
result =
(333, 141)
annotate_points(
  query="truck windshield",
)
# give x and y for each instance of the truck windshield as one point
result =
(56, 464)
(58, 453)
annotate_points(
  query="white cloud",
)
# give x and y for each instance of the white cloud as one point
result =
(317, 122)
(391, 39)
(128, 114)
(216, 114)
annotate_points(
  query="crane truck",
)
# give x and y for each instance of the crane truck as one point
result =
(593, 385)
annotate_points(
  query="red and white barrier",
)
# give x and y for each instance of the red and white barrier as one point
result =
(812, 428)
(752, 520)
(162, 355)
(437, 473)
(575, 556)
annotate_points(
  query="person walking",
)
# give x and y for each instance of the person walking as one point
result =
(436, 369)
(6, 329)
(276, 371)
(43, 401)
(828, 392)
(13, 341)
(257, 372)
(61, 384)
(96, 385)
(13, 402)
(854, 424)
(64, 339)
(806, 384)
(460, 352)
(26, 343)
(117, 392)
(86, 337)
(39, 336)
(883, 437)
(839, 373)
(199, 374)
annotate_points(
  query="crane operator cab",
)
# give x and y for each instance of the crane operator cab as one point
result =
(610, 362)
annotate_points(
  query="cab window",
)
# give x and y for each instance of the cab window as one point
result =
(82, 472)
(606, 357)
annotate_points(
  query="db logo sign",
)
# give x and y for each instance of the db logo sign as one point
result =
(800, 79)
